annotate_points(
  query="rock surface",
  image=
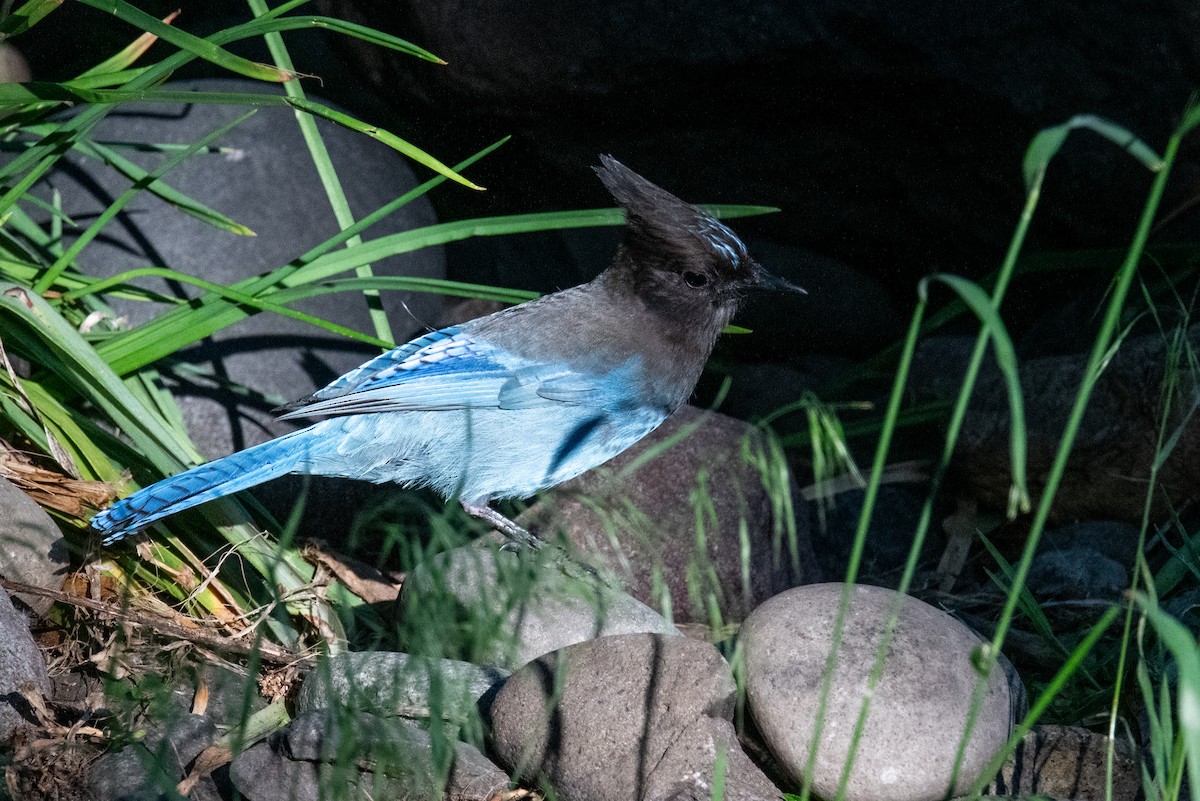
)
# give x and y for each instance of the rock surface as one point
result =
(356, 755)
(897, 510)
(1106, 475)
(21, 667)
(519, 609)
(918, 710)
(1069, 762)
(643, 524)
(631, 717)
(397, 684)
(32, 549)
(149, 770)
(1084, 561)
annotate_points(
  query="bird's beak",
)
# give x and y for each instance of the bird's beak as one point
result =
(762, 281)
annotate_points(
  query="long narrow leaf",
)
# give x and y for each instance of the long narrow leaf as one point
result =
(92, 379)
(25, 17)
(263, 26)
(163, 190)
(1049, 141)
(240, 298)
(1006, 359)
(328, 175)
(201, 48)
(20, 94)
(129, 54)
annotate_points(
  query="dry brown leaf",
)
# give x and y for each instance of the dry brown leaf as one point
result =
(360, 578)
(209, 760)
(200, 699)
(54, 489)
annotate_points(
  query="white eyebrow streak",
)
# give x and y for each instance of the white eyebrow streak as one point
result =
(723, 240)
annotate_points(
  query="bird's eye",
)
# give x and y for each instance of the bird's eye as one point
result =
(695, 280)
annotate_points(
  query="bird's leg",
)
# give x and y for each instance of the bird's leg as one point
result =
(505, 526)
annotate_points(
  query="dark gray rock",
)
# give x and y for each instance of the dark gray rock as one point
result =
(918, 709)
(1116, 540)
(1111, 458)
(262, 773)
(356, 755)
(232, 696)
(32, 549)
(149, 770)
(1079, 573)
(397, 684)
(1069, 762)
(889, 538)
(643, 525)
(520, 606)
(21, 666)
(637, 716)
(267, 182)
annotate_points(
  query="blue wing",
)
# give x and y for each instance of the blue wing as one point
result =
(448, 369)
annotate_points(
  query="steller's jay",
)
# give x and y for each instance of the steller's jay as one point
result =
(518, 401)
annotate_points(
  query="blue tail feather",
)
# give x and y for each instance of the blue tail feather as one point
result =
(207, 482)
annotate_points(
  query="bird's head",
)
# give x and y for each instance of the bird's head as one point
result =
(677, 257)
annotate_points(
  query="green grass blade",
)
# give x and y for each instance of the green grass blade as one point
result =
(439, 286)
(386, 137)
(198, 47)
(161, 189)
(1006, 359)
(63, 346)
(882, 448)
(264, 26)
(25, 17)
(1096, 361)
(328, 175)
(1051, 691)
(240, 298)
(124, 59)
(18, 94)
(161, 336)
(1048, 142)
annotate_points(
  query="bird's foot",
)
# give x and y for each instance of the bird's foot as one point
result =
(516, 534)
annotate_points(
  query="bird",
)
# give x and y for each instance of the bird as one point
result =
(518, 401)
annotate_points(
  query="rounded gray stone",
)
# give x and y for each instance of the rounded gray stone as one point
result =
(32, 549)
(532, 608)
(393, 683)
(637, 716)
(326, 753)
(21, 666)
(918, 710)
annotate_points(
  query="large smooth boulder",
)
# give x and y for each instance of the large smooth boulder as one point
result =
(918, 709)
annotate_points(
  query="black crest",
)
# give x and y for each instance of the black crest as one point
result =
(660, 223)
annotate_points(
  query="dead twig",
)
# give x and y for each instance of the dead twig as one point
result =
(268, 652)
